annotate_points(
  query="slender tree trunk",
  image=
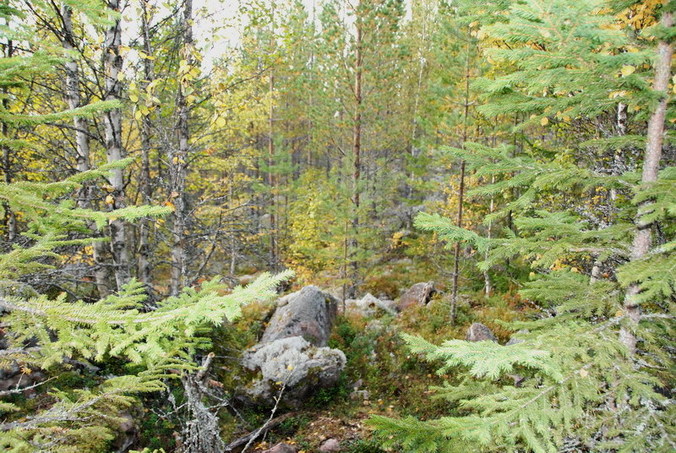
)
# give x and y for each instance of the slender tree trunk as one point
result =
(144, 267)
(461, 195)
(178, 163)
(80, 124)
(416, 103)
(271, 175)
(653, 154)
(356, 153)
(233, 243)
(112, 65)
(10, 217)
(488, 287)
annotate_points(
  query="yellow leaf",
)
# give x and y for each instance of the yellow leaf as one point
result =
(627, 70)
(544, 121)
(133, 97)
(583, 372)
(220, 121)
(110, 199)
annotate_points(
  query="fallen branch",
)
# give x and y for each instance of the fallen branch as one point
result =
(253, 435)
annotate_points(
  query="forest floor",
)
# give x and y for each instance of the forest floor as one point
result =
(381, 377)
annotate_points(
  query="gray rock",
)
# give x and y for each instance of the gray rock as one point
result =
(514, 340)
(127, 434)
(370, 305)
(330, 446)
(479, 332)
(281, 448)
(418, 294)
(360, 395)
(292, 363)
(308, 313)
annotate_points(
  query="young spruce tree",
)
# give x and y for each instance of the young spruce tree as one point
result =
(591, 373)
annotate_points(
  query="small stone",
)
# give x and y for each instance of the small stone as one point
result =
(360, 395)
(479, 332)
(514, 340)
(281, 448)
(418, 294)
(330, 445)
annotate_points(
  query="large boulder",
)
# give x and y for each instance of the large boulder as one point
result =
(292, 354)
(308, 313)
(294, 364)
(418, 294)
(480, 332)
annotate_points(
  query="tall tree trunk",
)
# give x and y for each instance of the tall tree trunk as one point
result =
(10, 217)
(653, 154)
(356, 154)
(144, 267)
(271, 175)
(488, 286)
(461, 195)
(416, 104)
(179, 161)
(80, 124)
(112, 65)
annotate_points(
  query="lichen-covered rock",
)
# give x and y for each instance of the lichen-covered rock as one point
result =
(308, 313)
(370, 305)
(292, 363)
(418, 294)
(480, 332)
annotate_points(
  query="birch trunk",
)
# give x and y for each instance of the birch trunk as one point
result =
(112, 66)
(356, 154)
(144, 267)
(80, 124)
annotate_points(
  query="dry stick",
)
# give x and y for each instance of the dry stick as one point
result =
(18, 389)
(456, 266)
(265, 426)
(653, 154)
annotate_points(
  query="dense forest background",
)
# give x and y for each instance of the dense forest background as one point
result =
(168, 171)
